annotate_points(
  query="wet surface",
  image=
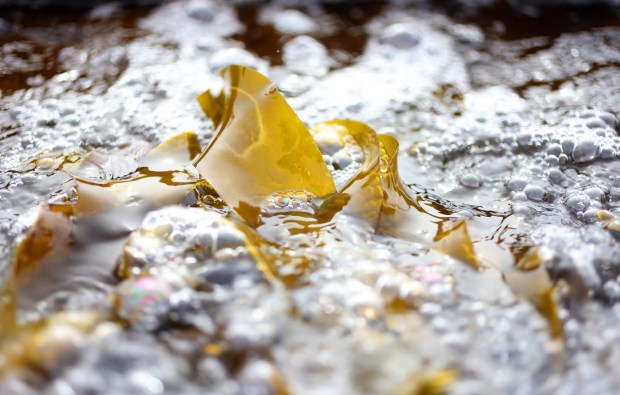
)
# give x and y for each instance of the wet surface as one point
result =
(470, 246)
(36, 43)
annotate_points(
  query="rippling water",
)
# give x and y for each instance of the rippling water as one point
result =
(501, 276)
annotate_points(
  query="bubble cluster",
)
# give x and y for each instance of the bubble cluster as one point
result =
(342, 154)
(488, 128)
(145, 301)
(292, 200)
(205, 244)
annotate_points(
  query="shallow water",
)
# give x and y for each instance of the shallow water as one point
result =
(506, 120)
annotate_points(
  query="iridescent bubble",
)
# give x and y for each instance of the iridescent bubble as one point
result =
(282, 200)
(144, 301)
(470, 180)
(432, 274)
(294, 200)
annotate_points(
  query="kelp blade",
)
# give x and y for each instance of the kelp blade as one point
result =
(261, 146)
(79, 243)
(402, 214)
(173, 153)
(159, 181)
(363, 189)
(414, 217)
(408, 216)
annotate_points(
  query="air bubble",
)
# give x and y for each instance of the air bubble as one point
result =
(554, 149)
(607, 152)
(203, 10)
(45, 164)
(522, 210)
(534, 192)
(610, 119)
(470, 180)
(568, 145)
(144, 301)
(295, 200)
(552, 160)
(563, 159)
(585, 151)
(516, 184)
(594, 193)
(400, 36)
(595, 123)
(578, 203)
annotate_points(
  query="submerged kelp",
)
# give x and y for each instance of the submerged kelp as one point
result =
(271, 200)
(78, 237)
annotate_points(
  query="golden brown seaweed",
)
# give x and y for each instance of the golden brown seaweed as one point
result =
(66, 238)
(261, 147)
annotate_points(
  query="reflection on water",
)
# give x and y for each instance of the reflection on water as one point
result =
(286, 256)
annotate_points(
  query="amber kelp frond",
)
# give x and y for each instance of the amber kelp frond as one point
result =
(45, 343)
(417, 217)
(47, 240)
(457, 243)
(363, 188)
(157, 179)
(7, 307)
(404, 214)
(174, 153)
(261, 147)
(80, 240)
(146, 190)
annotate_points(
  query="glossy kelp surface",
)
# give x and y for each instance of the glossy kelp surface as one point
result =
(363, 188)
(264, 165)
(375, 194)
(408, 215)
(77, 239)
(158, 180)
(261, 147)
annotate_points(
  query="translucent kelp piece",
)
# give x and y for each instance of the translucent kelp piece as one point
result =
(172, 154)
(160, 179)
(362, 186)
(610, 221)
(7, 307)
(63, 259)
(404, 215)
(205, 196)
(457, 243)
(74, 243)
(410, 216)
(428, 383)
(261, 147)
(47, 240)
(419, 217)
(96, 165)
(530, 280)
(148, 191)
(548, 307)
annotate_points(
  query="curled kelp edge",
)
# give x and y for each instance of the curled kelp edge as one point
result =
(92, 220)
(401, 214)
(163, 176)
(262, 144)
(363, 189)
